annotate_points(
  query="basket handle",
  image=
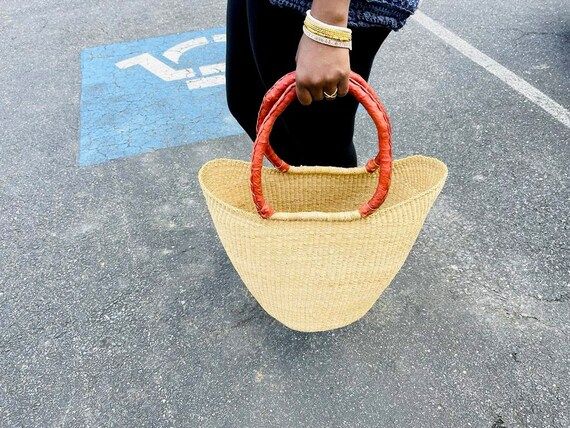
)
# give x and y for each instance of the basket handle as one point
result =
(279, 96)
(271, 97)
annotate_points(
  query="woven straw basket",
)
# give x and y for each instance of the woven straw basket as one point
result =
(316, 257)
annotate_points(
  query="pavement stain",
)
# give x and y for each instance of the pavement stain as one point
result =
(557, 298)
(498, 422)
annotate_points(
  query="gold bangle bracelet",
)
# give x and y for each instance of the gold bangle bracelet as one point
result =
(331, 34)
(324, 36)
(324, 25)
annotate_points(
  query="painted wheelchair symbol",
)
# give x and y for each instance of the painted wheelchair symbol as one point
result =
(208, 75)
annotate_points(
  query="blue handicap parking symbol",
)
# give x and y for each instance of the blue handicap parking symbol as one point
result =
(154, 93)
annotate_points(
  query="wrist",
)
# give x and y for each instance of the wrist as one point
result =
(333, 12)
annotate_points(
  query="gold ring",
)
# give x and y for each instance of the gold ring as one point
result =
(330, 96)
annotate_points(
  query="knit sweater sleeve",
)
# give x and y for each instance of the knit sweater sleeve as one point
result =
(366, 13)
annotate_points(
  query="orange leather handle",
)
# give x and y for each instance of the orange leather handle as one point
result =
(279, 96)
(271, 96)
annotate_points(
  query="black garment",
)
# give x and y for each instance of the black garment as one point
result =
(262, 42)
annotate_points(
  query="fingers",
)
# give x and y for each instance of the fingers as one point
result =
(343, 86)
(311, 89)
(330, 88)
(308, 89)
(316, 92)
(303, 95)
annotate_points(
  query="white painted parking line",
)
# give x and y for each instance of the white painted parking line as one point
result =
(157, 67)
(518, 84)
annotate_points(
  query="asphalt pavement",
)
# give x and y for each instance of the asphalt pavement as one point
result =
(119, 306)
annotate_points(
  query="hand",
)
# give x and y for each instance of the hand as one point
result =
(320, 68)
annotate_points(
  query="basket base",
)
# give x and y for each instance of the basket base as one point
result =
(318, 326)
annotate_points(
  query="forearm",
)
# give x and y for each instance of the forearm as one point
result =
(334, 12)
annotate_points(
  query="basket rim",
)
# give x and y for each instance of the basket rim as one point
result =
(320, 216)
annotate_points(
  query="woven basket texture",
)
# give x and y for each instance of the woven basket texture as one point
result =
(321, 273)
